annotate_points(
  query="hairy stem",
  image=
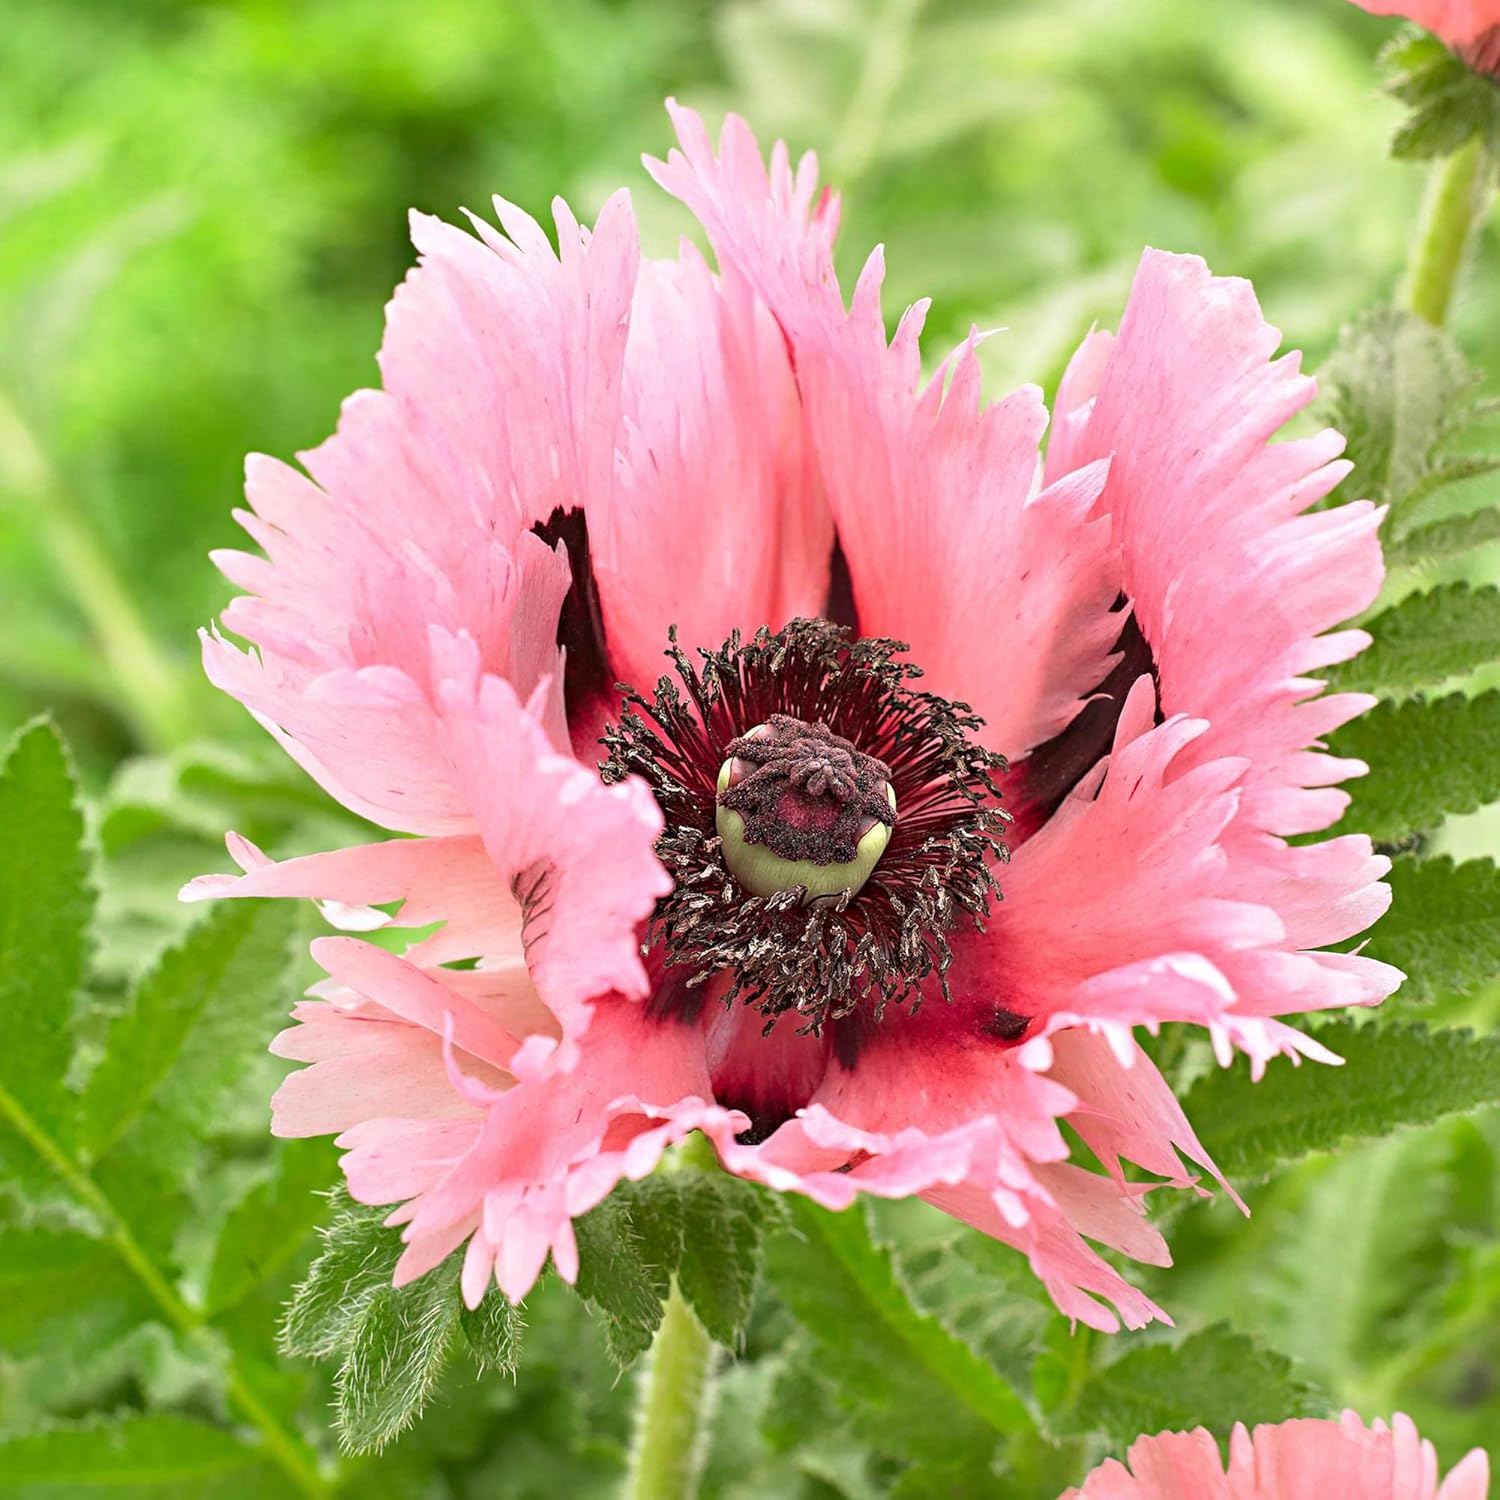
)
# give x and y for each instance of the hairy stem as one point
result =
(1458, 193)
(676, 1396)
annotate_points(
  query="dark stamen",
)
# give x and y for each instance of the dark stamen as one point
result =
(822, 961)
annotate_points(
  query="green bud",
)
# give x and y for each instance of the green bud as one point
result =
(764, 873)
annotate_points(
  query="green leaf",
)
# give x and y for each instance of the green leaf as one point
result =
(1450, 102)
(704, 1228)
(891, 1365)
(716, 1222)
(393, 1342)
(393, 1357)
(271, 1222)
(358, 1259)
(153, 1454)
(615, 1277)
(1211, 1379)
(1440, 540)
(1348, 1262)
(1425, 640)
(1396, 388)
(58, 1287)
(1443, 927)
(493, 1332)
(45, 906)
(178, 1049)
(1392, 1075)
(1427, 759)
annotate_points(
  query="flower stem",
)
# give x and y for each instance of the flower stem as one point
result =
(150, 687)
(1458, 193)
(667, 1455)
(677, 1388)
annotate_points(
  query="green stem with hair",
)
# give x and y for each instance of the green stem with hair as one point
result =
(677, 1389)
(1458, 195)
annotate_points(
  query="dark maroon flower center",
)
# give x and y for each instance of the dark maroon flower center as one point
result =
(838, 732)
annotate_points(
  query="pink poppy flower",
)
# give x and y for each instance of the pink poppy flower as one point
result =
(1299, 1460)
(1470, 27)
(582, 457)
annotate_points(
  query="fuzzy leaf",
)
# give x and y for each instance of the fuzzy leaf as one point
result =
(45, 905)
(1443, 927)
(493, 1332)
(719, 1221)
(358, 1259)
(155, 1455)
(1212, 1379)
(891, 1365)
(1425, 640)
(1396, 388)
(395, 1351)
(1450, 103)
(704, 1228)
(1439, 540)
(1427, 759)
(616, 1278)
(270, 1223)
(393, 1342)
(1392, 1075)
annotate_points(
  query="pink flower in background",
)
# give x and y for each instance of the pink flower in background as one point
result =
(581, 457)
(1299, 1460)
(1470, 27)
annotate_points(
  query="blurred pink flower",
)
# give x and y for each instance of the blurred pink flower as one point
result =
(577, 451)
(1299, 1460)
(1470, 27)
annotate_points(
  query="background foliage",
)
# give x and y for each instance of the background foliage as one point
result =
(201, 214)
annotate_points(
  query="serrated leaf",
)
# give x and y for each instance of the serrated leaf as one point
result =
(392, 1359)
(1392, 1075)
(1427, 758)
(1350, 1256)
(1396, 388)
(986, 1294)
(357, 1260)
(1211, 1379)
(152, 1454)
(271, 1223)
(718, 1223)
(704, 1228)
(891, 1365)
(393, 1342)
(178, 1048)
(1424, 640)
(616, 1278)
(1440, 540)
(1450, 103)
(45, 906)
(1443, 928)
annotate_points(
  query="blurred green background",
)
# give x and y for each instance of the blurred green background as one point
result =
(202, 213)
